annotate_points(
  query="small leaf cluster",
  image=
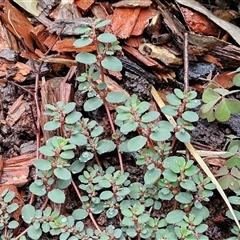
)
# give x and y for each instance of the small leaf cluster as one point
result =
(217, 105)
(107, 44)
(92, 80)
(49, 221)
(7, 207)
(180, 105)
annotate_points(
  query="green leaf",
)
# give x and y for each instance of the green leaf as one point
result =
(82, 29)
(222, 112)
(179, 93)
(42, 164)
(210, 95)
(236, 80)
(233, 162)
(62, 173)
(34, 233)
(52, 125)
(233, 105)
(184, 197)
(57, 196)
(193, 103)
(12, 207)
(183, 136)
(160, 135)
(201, 228)
(104, 146)
(128, 127)
(112, 63)
(208, 106)
(142, 107)
(103, 23)
(13, 224)
(78, 139)
(105, 195)
(150, 116)
(47, 151)
(82, 42)
(175, 216)
(152, 175)
(190, 116)
(9, 197)
(136, 143)
(77, 167)
(69, 107)
(188, 185)
(173, 100)
(79, 214)
(28, 213)
(37, 189)
(86, 58)
(68, 154)
(107, 38)
(126, 212)
(169, 110)
(86, 156)
(111, 212)
(221, 91)
(229, 181)
(116, 97)
(234, 200)
(92, 104)
(73, 117)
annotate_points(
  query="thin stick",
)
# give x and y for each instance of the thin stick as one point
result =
(186, 63)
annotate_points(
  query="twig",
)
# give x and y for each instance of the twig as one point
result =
(186, 63)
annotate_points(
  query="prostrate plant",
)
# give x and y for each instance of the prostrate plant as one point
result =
(7, 207)
(128, 206)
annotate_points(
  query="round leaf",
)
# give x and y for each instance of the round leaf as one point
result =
(52, 125)
(104, 146)
(136, 143)
(112, 63)
(28, 213)
(92, 104)
(82, 42)
(57, 196)
(79, 214)
(105, 195)
(103, 23)
(190, 116)
(116, 97)
(69, 107)
(107, 38)
(183, 136)
(78, 139)
(62, 173)
(152, 175)
(150, 116)
(34, 233)
(184, 197)
(86, 58)
(73, 117)
(42, 164)
(175, 216)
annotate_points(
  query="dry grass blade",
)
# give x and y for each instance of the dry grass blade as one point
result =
(198, 158)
